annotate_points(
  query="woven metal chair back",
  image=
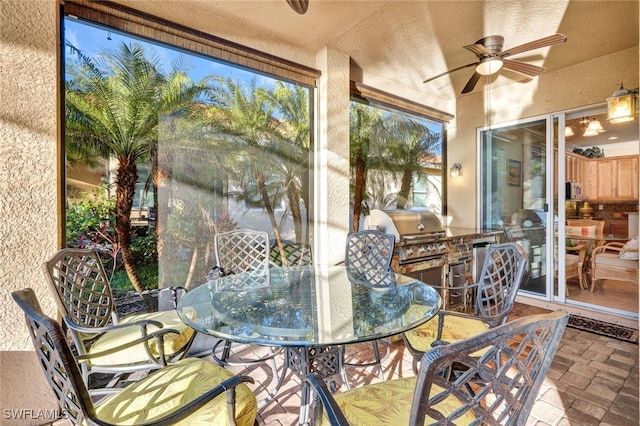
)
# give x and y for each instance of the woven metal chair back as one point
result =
(295, 254)
(499, 282)
(56, 358)
(500, 386)
(369, 249)
(78, 280)
(242, 250)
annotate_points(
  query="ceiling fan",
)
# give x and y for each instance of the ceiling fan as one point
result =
(491, 58)
(299, 6)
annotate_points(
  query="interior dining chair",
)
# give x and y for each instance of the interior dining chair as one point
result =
(498, 387)
(189, 391)
(574, 263)
(369, 249)
(107, 343)
(242, 250)
(494, 296)
(614, 261)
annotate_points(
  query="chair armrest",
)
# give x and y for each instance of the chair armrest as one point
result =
(322, 394)
(142, 324)
(158, 335)
(228, 386)
(491, 320)
(613, 247)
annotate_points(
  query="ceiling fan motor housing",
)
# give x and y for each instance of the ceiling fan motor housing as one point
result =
(493, 44)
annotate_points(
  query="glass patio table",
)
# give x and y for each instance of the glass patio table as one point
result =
(309, 311)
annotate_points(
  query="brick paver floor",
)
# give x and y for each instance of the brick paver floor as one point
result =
(593, 381)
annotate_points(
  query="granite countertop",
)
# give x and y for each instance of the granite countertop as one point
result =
(453, 232)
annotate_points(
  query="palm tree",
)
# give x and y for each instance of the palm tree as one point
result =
(365, 125)
(113, 103)
(292, 138)
(245, 116)
(409, 145)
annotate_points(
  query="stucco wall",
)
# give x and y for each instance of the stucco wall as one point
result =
(27, 194)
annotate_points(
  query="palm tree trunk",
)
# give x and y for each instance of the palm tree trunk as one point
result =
(294, 204)
(405, 187)
(358, 190)
(264, 194)
(125, 190)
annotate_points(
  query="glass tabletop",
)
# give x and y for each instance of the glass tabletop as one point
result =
(308, 306)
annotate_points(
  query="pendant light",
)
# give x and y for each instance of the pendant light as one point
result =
(621, 106)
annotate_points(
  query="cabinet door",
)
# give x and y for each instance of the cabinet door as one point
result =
(619, 227)
(589, 180)
(626, 170)
(606, 175)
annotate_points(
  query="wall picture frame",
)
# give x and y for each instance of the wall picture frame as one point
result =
(514, 173)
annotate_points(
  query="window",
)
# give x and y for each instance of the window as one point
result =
(396, 154)
(200, 144)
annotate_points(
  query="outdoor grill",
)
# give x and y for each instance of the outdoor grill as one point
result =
(419, 233)
(422, 251)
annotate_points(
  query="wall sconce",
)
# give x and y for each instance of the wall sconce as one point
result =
(621, 106)
(456, 170)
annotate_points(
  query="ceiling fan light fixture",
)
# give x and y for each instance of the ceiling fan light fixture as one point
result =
(489, 66)
(621, 106)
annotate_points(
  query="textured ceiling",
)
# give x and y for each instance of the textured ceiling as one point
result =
(410, 41)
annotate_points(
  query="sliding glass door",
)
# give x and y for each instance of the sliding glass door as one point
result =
(516, 193)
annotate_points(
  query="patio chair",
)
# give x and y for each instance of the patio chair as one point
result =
(498, 387)
(495, 293)
(369, 249)
(242, 250)
(106, 342)
(189, 391)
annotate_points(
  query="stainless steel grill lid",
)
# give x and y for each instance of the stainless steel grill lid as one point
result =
(406, 224)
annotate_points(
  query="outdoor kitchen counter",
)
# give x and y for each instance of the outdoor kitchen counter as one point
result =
(454, 232)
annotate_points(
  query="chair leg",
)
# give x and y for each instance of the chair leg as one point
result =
(377, 360)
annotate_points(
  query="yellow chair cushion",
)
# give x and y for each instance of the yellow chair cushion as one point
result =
(172, 342)
(389, 403)
(455, 328)
(171, 387)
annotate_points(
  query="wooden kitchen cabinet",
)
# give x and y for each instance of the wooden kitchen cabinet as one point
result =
(589, 180)
(574, 167)
(614, 178)
(619, 226)
(626, 169)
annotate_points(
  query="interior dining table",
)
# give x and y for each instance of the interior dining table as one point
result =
(310, 312)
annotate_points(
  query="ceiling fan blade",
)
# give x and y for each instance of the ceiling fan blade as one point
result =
(478, 49)
(471, 83)
(523, 68)
(536, 44)
(299, 6)
(450, 71)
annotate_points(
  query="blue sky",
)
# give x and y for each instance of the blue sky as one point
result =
(92, 39)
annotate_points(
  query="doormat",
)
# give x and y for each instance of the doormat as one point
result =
(602, 328)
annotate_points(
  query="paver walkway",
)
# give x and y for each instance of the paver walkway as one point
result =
(592, 381)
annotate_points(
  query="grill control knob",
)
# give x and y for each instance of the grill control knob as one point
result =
(443, 246)
(409, 252)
